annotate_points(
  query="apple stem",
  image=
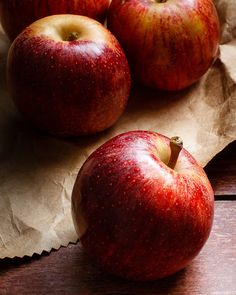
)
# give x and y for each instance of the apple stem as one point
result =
(176, 145)
(73, 36)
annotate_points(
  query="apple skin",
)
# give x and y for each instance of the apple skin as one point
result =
(169, 45)
(138, 218)
(16, 15)
(68, 88)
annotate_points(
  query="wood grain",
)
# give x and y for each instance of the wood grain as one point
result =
(69, 270)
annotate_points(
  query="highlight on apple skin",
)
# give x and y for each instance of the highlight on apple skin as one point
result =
(68, 75)
(142, 206)
(169, 44)
(16, 15)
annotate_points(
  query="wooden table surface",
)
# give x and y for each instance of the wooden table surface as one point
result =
(69, 270)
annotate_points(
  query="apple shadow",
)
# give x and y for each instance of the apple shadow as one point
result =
(144, 100)
(93, 280)
(104, 283)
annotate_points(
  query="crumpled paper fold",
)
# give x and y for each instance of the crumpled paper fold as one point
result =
(37, 171)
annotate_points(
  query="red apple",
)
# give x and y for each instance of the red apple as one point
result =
(16, 15)
(170, 44)
(68, 75)
(139, 211)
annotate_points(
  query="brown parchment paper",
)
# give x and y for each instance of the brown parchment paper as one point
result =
(37, 172)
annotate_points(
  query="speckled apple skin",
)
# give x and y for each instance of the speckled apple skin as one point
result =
(16, 15)
(135, 216)
(169, 45)
(68, 88)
